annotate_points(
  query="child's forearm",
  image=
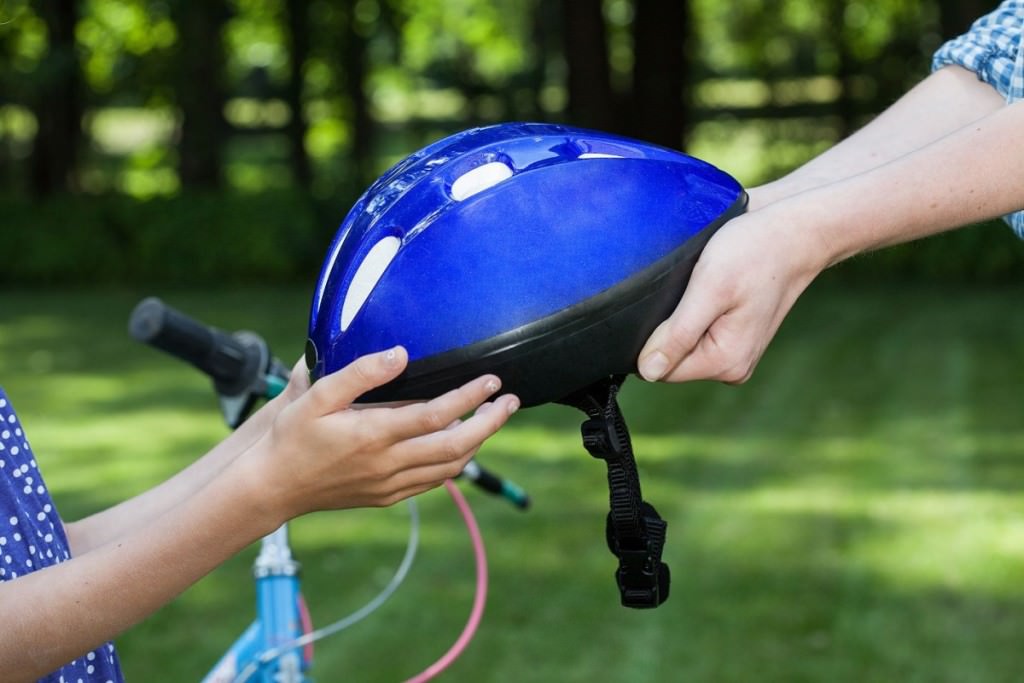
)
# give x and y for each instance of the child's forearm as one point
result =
(137, 512)
(58, 613)
(317, 455)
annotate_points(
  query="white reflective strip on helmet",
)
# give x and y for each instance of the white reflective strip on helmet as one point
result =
(479, 179)
(367, 276)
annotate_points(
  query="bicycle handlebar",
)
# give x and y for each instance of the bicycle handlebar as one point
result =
(231, 360)
(239, 363)
(496, 484)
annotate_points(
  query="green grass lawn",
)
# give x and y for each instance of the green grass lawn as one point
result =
(853, 513)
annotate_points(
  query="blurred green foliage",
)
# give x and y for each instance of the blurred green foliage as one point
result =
(768, 86)
(275, 236)
(186, 239)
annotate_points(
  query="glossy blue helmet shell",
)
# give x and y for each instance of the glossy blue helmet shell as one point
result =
(544, 253)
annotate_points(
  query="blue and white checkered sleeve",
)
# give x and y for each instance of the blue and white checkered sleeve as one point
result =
(992, 50)
(989, 48)
(1016, 222)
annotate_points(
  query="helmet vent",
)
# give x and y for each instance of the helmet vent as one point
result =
(367, 275)
(479, 179)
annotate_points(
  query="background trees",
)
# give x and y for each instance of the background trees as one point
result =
(123, 111)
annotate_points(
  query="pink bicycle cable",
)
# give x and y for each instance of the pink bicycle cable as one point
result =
(479, 599)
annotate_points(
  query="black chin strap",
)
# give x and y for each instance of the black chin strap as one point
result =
(634, 529)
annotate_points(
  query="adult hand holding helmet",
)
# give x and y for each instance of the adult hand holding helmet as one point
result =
(744, 284)
(945, 155)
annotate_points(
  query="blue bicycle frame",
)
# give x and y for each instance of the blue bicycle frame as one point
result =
(257, 654)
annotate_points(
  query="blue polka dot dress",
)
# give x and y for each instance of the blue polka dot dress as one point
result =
(32, 537)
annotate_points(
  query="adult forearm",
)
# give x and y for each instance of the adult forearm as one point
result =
(967, 176)
(942, 103)
(938, 160)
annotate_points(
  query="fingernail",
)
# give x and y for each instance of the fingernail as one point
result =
(492, 385)
(513, 405)
(653, 366)
(391, 356)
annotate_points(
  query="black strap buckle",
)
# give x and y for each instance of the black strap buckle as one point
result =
(642, 577)
(600, 440)
(634, 530)
(643, 581)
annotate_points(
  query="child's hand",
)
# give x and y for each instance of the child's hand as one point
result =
(320, 454)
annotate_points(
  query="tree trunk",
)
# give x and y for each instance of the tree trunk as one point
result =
(354, 65)
(660, 96)
(543, 19)
(845, 110)
(585, 43)
(57, 104)
(200, 92)
(956, 16)
(298, 44)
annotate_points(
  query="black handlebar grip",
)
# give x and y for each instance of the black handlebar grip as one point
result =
(488, 482)
(222, 356)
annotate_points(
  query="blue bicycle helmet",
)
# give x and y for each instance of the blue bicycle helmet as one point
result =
(542, 253)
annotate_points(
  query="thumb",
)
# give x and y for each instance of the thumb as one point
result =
(298, 381)
(340, 389)
(677, 337)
